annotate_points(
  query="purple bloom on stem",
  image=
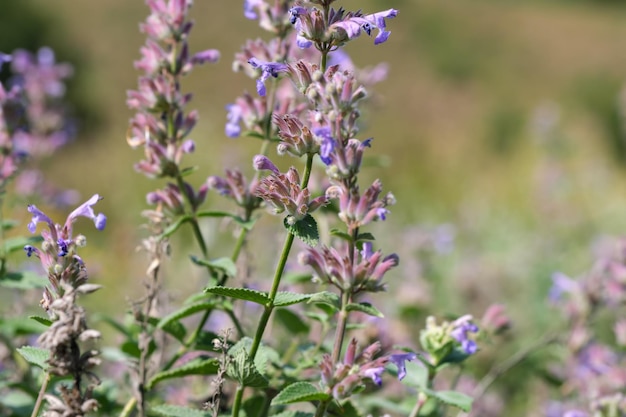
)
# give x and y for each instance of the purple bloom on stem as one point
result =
(378, 21)
(38, 216)
(460, 334)
(269, 69)
(4, 58)
(248, 8)
(375, 374)
(85, 210)
(367, 251)
(561, 283)
(399, 360)
(210, 55)
(327, 143)
(234, 117)
(30, 250)
(263, 163)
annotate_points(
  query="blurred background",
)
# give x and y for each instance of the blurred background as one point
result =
(501, 131)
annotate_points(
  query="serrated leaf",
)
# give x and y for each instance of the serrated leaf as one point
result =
(454, 398)
(23, 280)
(292, 322)
(299, 392)
(225, 265)
(169, 230)
(35, 356)
(242, 369)
(327, 298)
(42, 320)
(304, 229)
(15, 244)
(286, 298)
(264, 353)
(179, 411)
(366, 308)
(245, 294)
(193, 367)
(185, 311)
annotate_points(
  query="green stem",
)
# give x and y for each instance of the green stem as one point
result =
(342, 322)
(269, 307)
(194, 221)
(129, 407)
(42, 392)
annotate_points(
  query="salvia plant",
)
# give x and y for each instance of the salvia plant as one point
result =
(250, 343)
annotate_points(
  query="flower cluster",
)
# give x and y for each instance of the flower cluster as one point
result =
(443, 341)
(343, 378)
(161, 125)
(67, 276)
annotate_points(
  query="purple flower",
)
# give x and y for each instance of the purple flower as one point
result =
(561, 283)
(367, 252)
(327, 144)
(268, 69)
(378, 21)
(85, 210)
(234, 117)
(463, 326)
(210, 55)
(263, 163)
(38, 216)
(4, 58)
(248, 8)
(375, 374)
(399, 360)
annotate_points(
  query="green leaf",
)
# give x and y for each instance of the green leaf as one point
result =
(242, 369)
(194, 367)
(341, 234)
(8, 224)
(35, 356)
(46, 322)
(297, 277)
(286, 298)
(299, 392)
(327, 298)
(264, 353)
(246, 224)
(19, 326)
(183, 312)
(240, 294)
(188, 171)
(292, 322)
(179, 411)
(23, 280)
(304, 229)
(366, 308)
(174, 226)
(416, 374)
(454, 398)
(365, 236)
(226, 265)
(15, 244)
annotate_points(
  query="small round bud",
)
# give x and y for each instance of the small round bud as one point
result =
(57, 269)
(80, 241)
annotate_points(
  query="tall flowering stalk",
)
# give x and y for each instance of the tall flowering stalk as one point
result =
(67, 277)
(162, 127)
